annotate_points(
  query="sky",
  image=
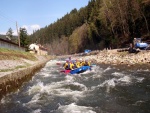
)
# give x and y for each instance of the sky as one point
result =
(34, 14)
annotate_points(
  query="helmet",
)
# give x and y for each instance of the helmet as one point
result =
(86, 59)
(80, 59)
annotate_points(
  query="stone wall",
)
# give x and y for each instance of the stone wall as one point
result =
(14, 80)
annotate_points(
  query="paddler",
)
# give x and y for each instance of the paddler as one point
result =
(87, 63)
(71, 65)
(78, 63)
(82, 62)
(68, 65)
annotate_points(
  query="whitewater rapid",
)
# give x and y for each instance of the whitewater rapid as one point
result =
(104, 89)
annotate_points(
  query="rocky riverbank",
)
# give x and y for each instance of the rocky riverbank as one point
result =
(113, 57)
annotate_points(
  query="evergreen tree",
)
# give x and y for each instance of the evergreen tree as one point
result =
(24, 39)
(109, 23)
(9, 33)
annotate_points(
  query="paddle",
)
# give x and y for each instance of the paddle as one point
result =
(93, 65)
(58, 63)
(65, 71)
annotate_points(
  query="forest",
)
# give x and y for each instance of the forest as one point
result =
(99, 25)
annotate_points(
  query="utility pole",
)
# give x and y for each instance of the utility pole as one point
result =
(18, 34)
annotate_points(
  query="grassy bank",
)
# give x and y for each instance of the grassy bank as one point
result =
(11, 60)
(6, 54)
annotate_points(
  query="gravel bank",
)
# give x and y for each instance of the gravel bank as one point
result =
(113, 57)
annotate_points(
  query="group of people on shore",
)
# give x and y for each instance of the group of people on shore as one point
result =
(72, 64)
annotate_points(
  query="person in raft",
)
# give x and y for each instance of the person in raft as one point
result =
(68, 65)
(69, 58)
(77, 64)
(87, 63)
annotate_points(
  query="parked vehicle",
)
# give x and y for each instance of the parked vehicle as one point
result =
(139, 44)
(87, 51)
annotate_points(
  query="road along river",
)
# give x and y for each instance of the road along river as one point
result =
(104, 89)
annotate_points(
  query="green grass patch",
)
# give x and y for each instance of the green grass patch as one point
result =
(20, 67)
(7, 54)
(6, 70)
(17, 67)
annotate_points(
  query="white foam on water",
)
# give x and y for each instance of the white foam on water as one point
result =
(140, 79)
(96, 69)
(36, 111)
(107, 83)
(128, 79)
(107, 69)
(43, 70)
(5, 100)
(73, 95)
(97, 76)
(33, 102)
(82, 86)
(51, 62)
(39, 87)
(125, 79)
(138, 103)
(97, 72)
(146, 70)
(110, 83)
(36, 102)
(69, 78)
(86, 72)
(118, 79)
(118, 74)
(122, 80)
(44, 74)
(73, 108)
(47, 75)
(61, 88)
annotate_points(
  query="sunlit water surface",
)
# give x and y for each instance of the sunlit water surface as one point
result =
(104, 89)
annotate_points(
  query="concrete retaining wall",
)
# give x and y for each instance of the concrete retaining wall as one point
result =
(14, 80)
(10, 45)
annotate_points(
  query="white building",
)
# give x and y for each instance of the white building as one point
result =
(37, 49)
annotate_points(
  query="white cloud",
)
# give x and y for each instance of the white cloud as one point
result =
(15, 32)
(35, 27)
(25, 26)
(3, 33)
(29, 28)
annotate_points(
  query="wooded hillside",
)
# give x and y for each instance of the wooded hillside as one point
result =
(101, 24)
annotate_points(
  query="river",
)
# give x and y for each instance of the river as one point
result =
(104, 89)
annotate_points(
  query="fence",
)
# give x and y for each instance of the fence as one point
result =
(10, 45)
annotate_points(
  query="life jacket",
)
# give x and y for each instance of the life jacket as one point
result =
(71, 66)
(82, 63)
(78, 64)
(66, 66)
(87, 63)
(75, 65)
